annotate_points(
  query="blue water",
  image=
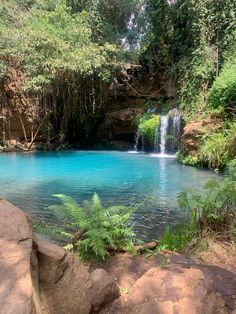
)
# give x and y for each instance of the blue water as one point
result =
(30, 179)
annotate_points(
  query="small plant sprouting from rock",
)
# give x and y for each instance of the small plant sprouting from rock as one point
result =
(93, 231)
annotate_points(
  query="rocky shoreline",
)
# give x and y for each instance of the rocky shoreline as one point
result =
(37, 276)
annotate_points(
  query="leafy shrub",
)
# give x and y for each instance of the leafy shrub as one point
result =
(176, 239)
(219, 148)
(214, 209)
(223, 91)
(188, 160)
(92, 229)
(148, 125)
(232, 169)
(215, 150)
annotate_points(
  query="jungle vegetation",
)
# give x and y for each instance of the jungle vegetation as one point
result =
(58, 59)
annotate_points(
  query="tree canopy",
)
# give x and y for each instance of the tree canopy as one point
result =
(69, 50)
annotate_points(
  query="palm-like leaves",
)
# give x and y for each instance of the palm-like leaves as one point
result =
(217, 203)
(99, 228)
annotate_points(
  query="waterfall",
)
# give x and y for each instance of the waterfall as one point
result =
(167, 134)
(176, 123)
(176, 128)
(136, 139)
(163, 132)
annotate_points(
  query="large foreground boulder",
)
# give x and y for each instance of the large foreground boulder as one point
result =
(64, 282)
(199, 289)
(17, 293)
(37, 276)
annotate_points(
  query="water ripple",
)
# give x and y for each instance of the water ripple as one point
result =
(30, 180)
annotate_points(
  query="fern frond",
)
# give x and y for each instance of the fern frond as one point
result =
(50, 231)
(70, 212)
(211, 185)
(94, 227)
(96, 203)
(117, 210)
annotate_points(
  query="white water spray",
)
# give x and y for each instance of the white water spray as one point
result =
(176, 123)
(136, 139)
(163, 131)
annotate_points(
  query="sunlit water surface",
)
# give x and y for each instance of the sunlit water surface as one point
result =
(30, 179)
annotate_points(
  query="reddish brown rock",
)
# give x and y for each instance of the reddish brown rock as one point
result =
(37, 277)
(64, 282)
(16, 238)
(123, 123)
(180, 285)
(180, 289)
(104, 291)
(194, 132)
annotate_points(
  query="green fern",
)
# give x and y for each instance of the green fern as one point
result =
(93, 230)
(214, 208)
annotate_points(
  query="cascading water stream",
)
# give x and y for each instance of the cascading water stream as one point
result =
(167, 133)
(136, 140)
(177, 123)
(163, 133)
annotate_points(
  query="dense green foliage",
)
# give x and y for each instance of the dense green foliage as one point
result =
(52, 38)
(67, 52)
(148, 124)
(192, 45)
(223, 91)
(214, 209)
(216, 151)
(190, 39)
(211, 212)
(188, 159)
(93, 230)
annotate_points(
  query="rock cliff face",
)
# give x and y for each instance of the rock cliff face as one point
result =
(194, 132)
(129, 94)
(125, 106)
(114, 127)
(38, 277)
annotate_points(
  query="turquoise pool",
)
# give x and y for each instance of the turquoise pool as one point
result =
(29, 179)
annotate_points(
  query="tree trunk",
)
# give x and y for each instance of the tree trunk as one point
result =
(23, 128)
(36, 133)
